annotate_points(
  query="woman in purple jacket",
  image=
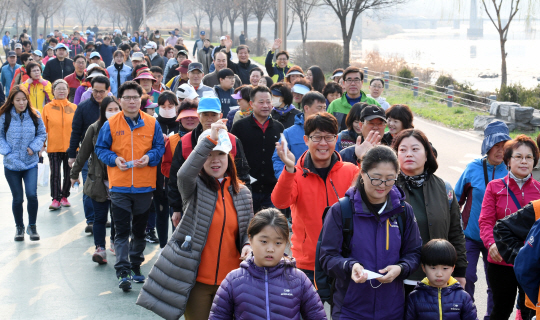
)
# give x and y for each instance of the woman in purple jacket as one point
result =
(385, 240)
(267, 285)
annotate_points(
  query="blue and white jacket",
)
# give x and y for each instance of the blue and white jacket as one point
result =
(125, 72)
(20, 136)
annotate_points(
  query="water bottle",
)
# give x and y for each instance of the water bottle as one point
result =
(186, 246)
(223, 140)
(75, 188)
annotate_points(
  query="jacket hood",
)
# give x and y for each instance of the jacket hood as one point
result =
(299, 119)
(453, 285)
(258, 272)
(393, 206)
(478, 162)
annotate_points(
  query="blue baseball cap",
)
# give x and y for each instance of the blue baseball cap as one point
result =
(209, 104)
(495, 132)
(88, 31)
(300, 89)
(95, 54)
(51, 34)
(203, 33)
(38, 53)
(61, 46)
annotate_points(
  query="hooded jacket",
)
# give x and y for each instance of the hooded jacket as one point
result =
(20, 136)
(279, 292)
(73, 82)
(295, 141)
(444, 220)
(226, 99)
(341, 107)
(449, 303)
(376, 243)
(287, 119)
(308, 195)
(276, 73)
(40, 93)
(6, 76)
(211, 80)
(169, 283)
(19, 76)
(241, 69)
(470, 190)
(58, 117)
(498, 204)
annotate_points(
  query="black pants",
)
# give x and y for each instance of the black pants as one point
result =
(59, 187)
(504, 286)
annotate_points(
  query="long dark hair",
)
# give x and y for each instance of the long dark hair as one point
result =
(431, 164)
(8, 105)
(213, 184)
(103, 108)
(318, 78)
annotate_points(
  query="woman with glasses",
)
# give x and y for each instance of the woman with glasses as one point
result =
(385, 239)
(376, 88)
(502, 198)
(278, 70)
(38, 88)
(432, 199)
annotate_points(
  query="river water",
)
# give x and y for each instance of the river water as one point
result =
(449, 50)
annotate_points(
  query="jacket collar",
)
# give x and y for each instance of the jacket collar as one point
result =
(394, 198)
(259, 272)
(299, 119)
(453, 285)
(308, 165)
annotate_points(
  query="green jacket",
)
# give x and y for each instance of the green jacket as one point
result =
(341, 107)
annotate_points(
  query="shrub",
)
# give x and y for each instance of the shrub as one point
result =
(327, 55)
(407, 74)
(517, 93)
(252, 44)
(444, 81)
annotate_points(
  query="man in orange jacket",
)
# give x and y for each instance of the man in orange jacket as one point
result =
(316, 181)
(131, 144)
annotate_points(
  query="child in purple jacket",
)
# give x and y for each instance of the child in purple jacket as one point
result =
(267, 285)
(439, 295)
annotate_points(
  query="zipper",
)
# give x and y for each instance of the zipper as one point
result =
(522, 195)
(132, 183)
(440, 304)
(266, 291)
(222, 230)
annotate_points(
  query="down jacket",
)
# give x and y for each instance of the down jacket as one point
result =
(279, 292)
(171, 279)
(431, 303)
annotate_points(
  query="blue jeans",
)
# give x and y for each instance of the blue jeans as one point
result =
(261, 201)
(101, 211)
(15, 180)
(87, 202)
(474, 248)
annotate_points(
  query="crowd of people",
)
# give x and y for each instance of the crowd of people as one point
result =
(245, 161)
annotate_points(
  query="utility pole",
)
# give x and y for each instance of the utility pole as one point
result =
(282, 23)
(144, 13)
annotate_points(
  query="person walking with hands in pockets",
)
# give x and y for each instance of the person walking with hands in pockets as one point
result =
(211, 238)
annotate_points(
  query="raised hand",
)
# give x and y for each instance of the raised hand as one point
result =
(277, 44)
(373, 139)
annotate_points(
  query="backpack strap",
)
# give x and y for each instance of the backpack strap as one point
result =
(536, 206)
(7, 121)
(512, 195)
(347, 222)
(484, 165)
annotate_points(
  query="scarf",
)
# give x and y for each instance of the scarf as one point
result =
(246, 113)
(205, 49)
(284, 110)
(519, 182)
(415, 181)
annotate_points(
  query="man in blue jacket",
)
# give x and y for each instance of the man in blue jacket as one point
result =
(312, 102)
(106, 50)
(8, 71)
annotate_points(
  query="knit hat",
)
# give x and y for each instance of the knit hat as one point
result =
(209, 104)
(495, 132)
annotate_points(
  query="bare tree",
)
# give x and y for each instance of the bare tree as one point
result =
(260, 8)
(348, 11)
(246, 12)
(233, 12)
(62, 14)
(495, 12)
(198, 12)
(303, 9)
(210, 8)
(5, 10)
(273, 14)
(81, 9)
(180, 9)
(131, 10)
(50, 7)
(99, 14)
(34, 7)
(221, 15)
(291, 19)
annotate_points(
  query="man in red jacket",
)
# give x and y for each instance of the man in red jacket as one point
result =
(76, 79)
(317, 181)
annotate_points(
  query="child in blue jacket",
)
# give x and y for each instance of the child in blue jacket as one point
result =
(439, 295)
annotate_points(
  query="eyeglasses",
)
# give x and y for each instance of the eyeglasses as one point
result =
(355, 80)
(376, 87)
(328, 138)
(131, 98)
(282, 59)
(378, 182)
(520, 159)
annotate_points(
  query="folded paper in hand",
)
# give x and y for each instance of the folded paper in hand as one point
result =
(372, 275)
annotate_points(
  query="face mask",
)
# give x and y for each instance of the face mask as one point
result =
(157, 36)
(276, 102)
(110, 114)
(167, 113)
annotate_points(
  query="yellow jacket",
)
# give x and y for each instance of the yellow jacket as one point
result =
(57, 116)
(40, 93)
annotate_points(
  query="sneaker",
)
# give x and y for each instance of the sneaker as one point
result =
(32, 232)
(108, 224)
(55, 205)
(89, 228)
(112, 249)
(124, 281)
(65, 203)
(100, 256)
(151, 236)
(137, 276)
(19, 234)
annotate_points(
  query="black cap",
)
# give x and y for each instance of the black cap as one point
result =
(12, 54)
(195, 66)
(224, 73)
(371, 112)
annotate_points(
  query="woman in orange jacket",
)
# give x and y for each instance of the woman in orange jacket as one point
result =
(57, 117)
(38, 88)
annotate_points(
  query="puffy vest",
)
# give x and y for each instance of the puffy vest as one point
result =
(187, 147)
(132, 145)
(173, 142)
